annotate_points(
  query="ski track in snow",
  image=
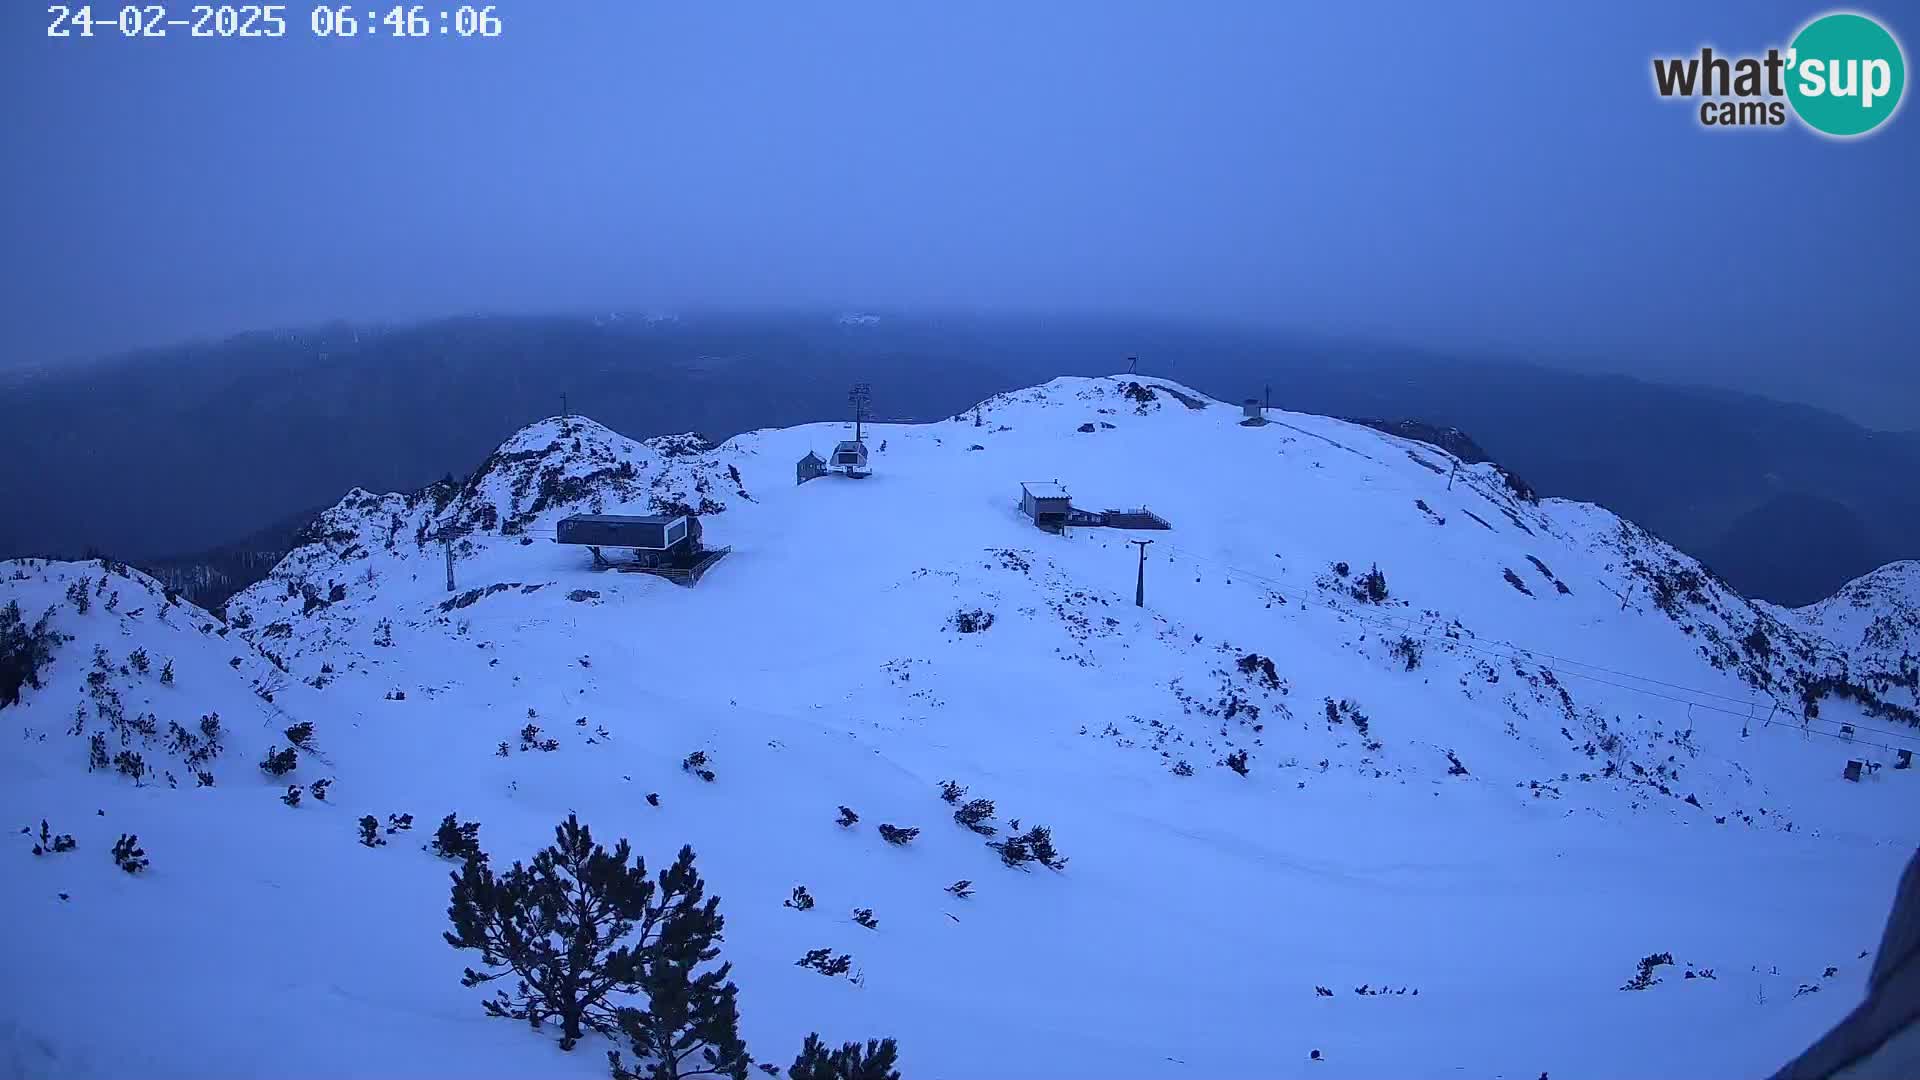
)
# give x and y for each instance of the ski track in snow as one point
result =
(817, 665)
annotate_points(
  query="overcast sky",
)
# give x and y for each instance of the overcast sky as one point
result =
(1467, 177)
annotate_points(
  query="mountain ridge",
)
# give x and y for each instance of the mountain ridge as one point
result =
(1528, 754)
(395, 407)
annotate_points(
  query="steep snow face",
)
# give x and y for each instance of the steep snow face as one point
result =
(1495, 753)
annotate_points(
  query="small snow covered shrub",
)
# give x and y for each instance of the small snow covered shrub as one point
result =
(1407, 651)
(1645, 978)
(455, 839)
(292, 797)
(1371, 587)
(50, 844)
(864, 916)
(166, 673)
(319, 789)
(970, 622)
(951, 791)
(280, 762)
(97, 752)
(824, 962)
(301, 734)
(530, 739)
(370, 832)
(879, 1060)
(399, 823)
(1181, 768)
(962, 888)
(1034, 845)
(1237, 761)
(1260, 669)
(696, 763)
(897, 836)
(801, 900)
(847, 818)
(1454, 768)
(1346, 710)
(975, 814)
(138, 661)
(128, 854)
(128, 763)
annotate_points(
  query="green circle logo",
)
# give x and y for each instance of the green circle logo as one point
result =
(1845, 74)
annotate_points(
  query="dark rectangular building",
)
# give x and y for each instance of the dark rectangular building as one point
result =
(648, 532)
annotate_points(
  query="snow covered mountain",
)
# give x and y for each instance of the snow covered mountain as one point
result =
(1383, 724)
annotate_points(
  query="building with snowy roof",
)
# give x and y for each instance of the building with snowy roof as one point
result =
(1046, 502)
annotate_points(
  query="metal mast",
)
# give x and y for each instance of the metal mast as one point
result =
(859, 396)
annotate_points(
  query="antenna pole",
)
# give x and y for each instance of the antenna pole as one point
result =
(1132, 362)
(1140, 579)
(859, 396)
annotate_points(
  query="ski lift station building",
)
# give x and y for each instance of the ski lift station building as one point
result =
(660, 534)
(1045, 501)
(850, 457)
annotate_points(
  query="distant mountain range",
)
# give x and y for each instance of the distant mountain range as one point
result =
(198, 448)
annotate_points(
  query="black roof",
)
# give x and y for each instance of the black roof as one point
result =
(625, 519)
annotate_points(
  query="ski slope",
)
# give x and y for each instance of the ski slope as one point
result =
(1503, 826)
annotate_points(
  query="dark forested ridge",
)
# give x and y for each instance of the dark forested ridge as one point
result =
(222, 448)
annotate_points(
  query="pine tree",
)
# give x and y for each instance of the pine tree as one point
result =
(23, 651)
(455, 839)
(876, 1061)
(825, 962)
(280, 762)
(691, 1024)
(51, 844)
(128, 855)
(557, 926)
(974, 815)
